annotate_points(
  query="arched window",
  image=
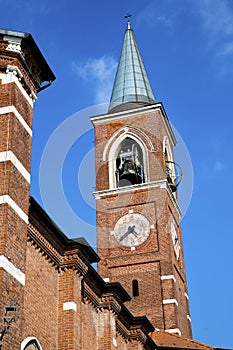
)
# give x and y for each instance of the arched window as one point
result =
(129, 163)
(135, 288)
(30, 343)
(128, 144)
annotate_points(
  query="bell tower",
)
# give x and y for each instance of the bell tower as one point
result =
(138, 216)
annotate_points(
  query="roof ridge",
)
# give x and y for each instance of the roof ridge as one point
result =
(180, 337)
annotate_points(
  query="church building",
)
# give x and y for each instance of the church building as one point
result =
(51, 297)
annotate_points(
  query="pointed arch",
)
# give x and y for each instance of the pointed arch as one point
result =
(136, 148)
(30, 343)
(123, 130)
(167, 150)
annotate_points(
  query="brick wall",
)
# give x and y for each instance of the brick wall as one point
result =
(152, 262)
(67, 305)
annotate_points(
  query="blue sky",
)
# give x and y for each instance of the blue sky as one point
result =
(187, 48)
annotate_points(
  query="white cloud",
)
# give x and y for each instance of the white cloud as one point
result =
(228, 49)
(99, 72)
(217, 16)
(217, 20)
(158, 14)
(218, 166)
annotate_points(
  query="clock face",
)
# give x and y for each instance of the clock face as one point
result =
(132, 229)
(175, 240)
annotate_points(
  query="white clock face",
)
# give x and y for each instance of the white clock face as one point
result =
(175, 240)
(132, 229)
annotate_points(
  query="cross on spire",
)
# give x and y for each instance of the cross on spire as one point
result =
(128, 22)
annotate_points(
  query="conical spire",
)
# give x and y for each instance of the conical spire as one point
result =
(131, 86)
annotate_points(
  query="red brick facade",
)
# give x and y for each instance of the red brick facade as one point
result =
(62, 302)
(153, 264)
(64, 295)
(15, 152)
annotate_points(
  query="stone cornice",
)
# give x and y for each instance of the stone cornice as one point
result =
(22, 45)
(128, 189)
(139, 187)
(106, 118)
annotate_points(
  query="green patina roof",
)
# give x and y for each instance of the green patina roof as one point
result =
(131, 85)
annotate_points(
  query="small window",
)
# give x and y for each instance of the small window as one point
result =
(135, 289)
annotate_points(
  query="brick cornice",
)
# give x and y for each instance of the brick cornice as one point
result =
(132, 333)
(49, 232)
(63, 259)
(23, 48)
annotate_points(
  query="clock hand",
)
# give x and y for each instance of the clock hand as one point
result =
(130, 230)
(124, 236)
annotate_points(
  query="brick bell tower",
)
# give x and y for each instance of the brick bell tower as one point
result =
(138, 216)
(23, 72)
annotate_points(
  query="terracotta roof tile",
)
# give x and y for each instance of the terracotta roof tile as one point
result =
(165, 339)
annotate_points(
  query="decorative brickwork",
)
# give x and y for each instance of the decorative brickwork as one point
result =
(18, 87)
(163, 302)
(74, 307)
(62, 302)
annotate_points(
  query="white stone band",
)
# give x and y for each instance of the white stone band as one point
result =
(7, 199)
(173, 331)
(10, 78)
(70, 305)
(168, 277)
(9, 156)
(12, 109)
(12, 269)
(170, 301)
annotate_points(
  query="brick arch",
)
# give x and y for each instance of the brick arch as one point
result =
(127, 130)
(30, 343)
(120, 136)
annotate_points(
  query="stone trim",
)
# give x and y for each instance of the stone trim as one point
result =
(106, 118)
(173, 331)
(168, 277)
(12, 269)
(70, 305)
(137, 187)
(7, 199)
(12, 109)
(10, 156)
(28, 341)
(170, 301)
(14, 44)
(11, 78)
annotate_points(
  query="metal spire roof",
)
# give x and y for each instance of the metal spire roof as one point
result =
(131, 86)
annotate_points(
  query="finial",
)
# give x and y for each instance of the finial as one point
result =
(128, 22)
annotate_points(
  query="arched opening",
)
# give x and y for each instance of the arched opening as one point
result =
(173, 170)
(30, 343)
(143, 145)
(135, 288)
(129, 164)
